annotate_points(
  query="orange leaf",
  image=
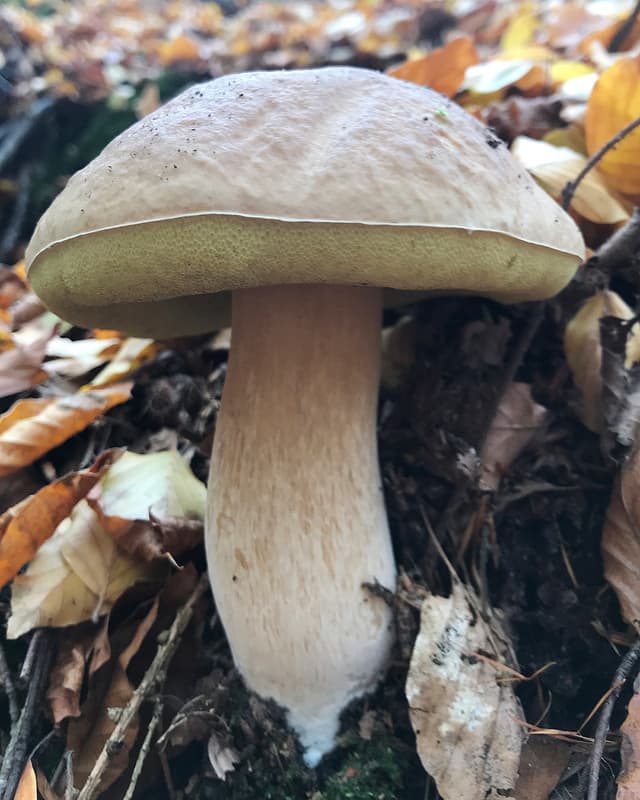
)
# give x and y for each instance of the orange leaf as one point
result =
(31, 428)
(182, 48)
(27, 525)
(442, 69)
(28, 787)
(614, 103)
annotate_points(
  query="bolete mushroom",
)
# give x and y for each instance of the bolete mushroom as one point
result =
(300, 198)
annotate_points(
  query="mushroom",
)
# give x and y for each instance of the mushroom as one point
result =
(302, 199)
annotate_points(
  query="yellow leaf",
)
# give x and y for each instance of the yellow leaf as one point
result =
(554, 167)
(614, 103)
(561, 71)
(521, 29)
(30, 428)
(442, 69)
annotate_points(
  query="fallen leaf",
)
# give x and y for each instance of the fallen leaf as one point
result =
(181, 48)
(541, 766)
(614, 103)
(583, 349)
(442, 69)
(466, 721)
(629, 777)
(490, 77)
(27, 786)
(621, 540)
(80, 652)
(73, 358)
(554, 167)
(76, 575)
(522, 27)
(25, 527)
(516, 422)
(151, 504)
(132, 354)
(110, 692)
(30, 428)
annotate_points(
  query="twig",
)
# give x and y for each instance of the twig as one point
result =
(571, 186)
(144, 750)
(9, 689)
(154, 675)
(620, 677)
(31, 660)
(617, 40)
(16, 754)
(69, 791)
(621, 248)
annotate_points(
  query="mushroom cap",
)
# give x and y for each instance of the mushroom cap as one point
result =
(334, 175)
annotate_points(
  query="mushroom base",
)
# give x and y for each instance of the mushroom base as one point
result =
(296, 520)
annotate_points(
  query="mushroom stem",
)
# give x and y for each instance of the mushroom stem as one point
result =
(296, 519)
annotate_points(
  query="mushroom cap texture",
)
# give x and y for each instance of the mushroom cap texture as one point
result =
(334, 175)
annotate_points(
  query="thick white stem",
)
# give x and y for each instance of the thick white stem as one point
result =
(296, 520)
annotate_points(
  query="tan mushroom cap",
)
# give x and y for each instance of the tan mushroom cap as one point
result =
(335, 175)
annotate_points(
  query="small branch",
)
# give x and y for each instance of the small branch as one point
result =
(155, 675)
(570, 188)
(144, 750)
(9, 689)
(619, 679)
(17, 750)
(620, 249)
(617, 40)
(21, 129)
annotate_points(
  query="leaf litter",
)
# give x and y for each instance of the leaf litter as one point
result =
(516, 483)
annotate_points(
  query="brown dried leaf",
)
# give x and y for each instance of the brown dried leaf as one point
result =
(31, 428)
(621, 540)
(517, 421)
(110, 692)
(75, 649)
(629, 778)
(541, 765)
(25, 527)
(465, 720)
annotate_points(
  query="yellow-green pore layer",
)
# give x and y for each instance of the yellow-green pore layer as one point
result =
(154, 278)
(335, 175)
